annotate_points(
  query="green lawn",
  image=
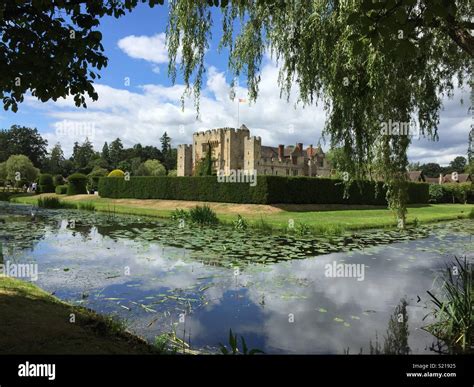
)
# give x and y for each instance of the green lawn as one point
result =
(341, 217)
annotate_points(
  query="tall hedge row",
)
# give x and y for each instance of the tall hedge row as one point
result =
(269, 189)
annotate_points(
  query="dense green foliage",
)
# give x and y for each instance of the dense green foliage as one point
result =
(61, 189)
(151, 168)
(93, 178)
(269, 189)
(203, 216)
(58, 180)
(77, 184)
(20, 140)
(46, 184)
(20, 170)
(452, 193)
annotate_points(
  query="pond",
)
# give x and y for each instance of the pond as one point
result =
(200, 282)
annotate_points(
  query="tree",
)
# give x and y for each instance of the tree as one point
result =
(369, 62)
(54, 163)
(53, 48)
(431, 169)
(115, 152)
(458, 164)
(150, 152)
(151, 168)
(25, 141)
(170, 156)
(3, 172)
(165, 143)
(20, 170)
(82, 154)
(105, 154)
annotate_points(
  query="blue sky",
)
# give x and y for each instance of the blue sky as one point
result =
(150, 104)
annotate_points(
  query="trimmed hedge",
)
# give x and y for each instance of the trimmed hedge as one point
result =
(61, 189)
(45, 182)
(116, 173)
(58, 180)
(269, 190)
(77, 184)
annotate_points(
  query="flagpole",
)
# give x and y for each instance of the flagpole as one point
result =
(238, 113)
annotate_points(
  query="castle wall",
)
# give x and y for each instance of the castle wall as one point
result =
(185, 160)
(233, 149)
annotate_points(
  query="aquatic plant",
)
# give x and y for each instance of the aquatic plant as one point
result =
(203, 216)
(452, 309)
(240, 223)
(87, 206)
(54, 203)
(234, 346)
(302, 229)
(179, 214)
(263, 225)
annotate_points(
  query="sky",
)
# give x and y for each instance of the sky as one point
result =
(138, 103)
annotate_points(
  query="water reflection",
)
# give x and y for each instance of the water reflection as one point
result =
(113, 266)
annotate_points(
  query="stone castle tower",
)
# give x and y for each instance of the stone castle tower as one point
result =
(235, 149)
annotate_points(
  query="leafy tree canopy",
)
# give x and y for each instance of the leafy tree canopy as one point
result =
(53, 48)
(20, 170)
(23, 140)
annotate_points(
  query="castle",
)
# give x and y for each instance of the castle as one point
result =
(235, 149)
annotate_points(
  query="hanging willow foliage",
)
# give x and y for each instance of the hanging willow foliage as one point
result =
(371, 64)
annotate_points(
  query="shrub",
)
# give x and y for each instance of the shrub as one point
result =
(93, 178)
(203, 215)
(45, 182)
(77, 184)
(61, 189)
(452, 193)
(20, 164)
(437, 193)
(173, 172)
(58, 180)
(116, 173)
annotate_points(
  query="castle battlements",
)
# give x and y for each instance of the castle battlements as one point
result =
(236, 149)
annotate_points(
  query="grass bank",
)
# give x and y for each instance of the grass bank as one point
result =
(317, 217)
(35, 322)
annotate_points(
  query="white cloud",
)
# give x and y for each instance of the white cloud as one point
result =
(143, 116)
(150, 48)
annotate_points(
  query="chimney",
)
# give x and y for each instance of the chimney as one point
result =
(281, 152)
(440, 178)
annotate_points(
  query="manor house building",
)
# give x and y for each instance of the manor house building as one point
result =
(235, 149)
